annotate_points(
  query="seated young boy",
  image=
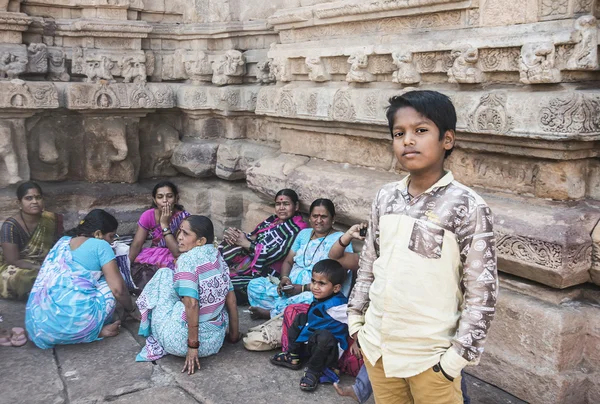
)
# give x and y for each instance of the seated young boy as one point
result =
(321, 335)
(426, 289)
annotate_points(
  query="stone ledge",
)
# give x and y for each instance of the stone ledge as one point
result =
(548, 242)
(543, 115)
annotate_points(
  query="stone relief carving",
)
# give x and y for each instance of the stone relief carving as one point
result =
(264, 72)
(78, 61)
(104, 97)
(11, 65)
(499, 59)
(583, 6)
(197, 66)
(316, 69)
(526, 249)
(229, 68)
(158, 140)
(98, 68)
(549, 8)
(585, 54)
(281, 69)
(7, 152)
(57, 69)
(342, 108)
(287, 106)
(575, 113)
(142, 97)
(133, 69)
(407, 72)
(490, 115)
(359, 62)
(537, 64)
(433, 62)
(107, 151)
(49, 147)
(37, 58)
(464, 68)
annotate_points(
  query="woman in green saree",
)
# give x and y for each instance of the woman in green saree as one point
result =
(26, 239)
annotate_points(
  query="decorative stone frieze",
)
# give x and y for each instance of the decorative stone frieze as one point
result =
(104, 95)
(19, 94)
(490, 115)
(57, 68)
(13, 61)
(281, 69)
(197, 66)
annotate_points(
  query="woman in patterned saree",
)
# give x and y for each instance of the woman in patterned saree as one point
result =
(161, 221)
(74, 296)
(26, 239)
(311, 246)
(261, 252)
(185, 312)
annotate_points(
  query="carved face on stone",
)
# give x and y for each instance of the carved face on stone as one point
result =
(234, 58)
(56, 58)
(104, 101)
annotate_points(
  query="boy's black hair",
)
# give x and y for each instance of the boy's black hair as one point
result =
(333, 271)
(434, 106)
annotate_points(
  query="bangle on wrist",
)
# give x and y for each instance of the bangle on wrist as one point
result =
(286, 277)
(193, 344)
(192, 325)
(166, 233)
(303, 288)
(342, 244)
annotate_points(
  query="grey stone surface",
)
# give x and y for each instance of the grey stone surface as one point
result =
(103, 369)
(28, 375)
(159, 395)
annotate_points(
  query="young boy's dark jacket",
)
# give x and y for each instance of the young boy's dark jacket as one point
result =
(319, 319)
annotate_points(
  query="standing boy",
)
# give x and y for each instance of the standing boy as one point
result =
(427, 283)
(321, 335)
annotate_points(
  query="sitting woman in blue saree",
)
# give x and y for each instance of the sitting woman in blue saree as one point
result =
(267, 298)
(185, 312)
(74, 296)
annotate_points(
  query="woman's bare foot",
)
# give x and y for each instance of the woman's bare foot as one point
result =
(345, 391)
(258, 313)
(110, 330)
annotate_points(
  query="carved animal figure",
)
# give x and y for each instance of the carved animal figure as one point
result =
(280, 69)
(407, 72)
(38, 58)
(537, 63)
(99, 69)
(585, 54)
(358, 70)
(316, 69)
(7, 152)
(134, 69)
(464, 69)
(264, 73)
(11, 65)
(229, 68)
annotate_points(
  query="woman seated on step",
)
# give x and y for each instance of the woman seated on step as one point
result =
(162, 222)
(26, 239)
(187, 312)
(262, 251)
(311, 246)
(74, 296)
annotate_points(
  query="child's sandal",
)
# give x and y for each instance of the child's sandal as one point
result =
(310, 379)
(286, 359)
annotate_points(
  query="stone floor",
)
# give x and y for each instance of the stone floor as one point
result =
(105, 371)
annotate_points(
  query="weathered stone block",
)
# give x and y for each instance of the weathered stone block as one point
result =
(535, 348)
(196, 157)
(158, 140)
(254, 214)
(267, 176)
(562, 180)
(234, 157)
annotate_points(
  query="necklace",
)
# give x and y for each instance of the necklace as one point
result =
(317, 249)
(25, 223)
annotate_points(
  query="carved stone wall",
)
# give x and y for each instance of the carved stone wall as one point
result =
(245, 98)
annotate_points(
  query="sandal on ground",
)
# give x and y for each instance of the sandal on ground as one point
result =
(311, 379)
(18, 337)
(5, 337)
(289, 360)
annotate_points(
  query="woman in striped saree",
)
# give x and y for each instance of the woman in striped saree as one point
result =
(261, 252)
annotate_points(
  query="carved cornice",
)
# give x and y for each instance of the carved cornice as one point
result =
(102, 28)
(14, 21)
